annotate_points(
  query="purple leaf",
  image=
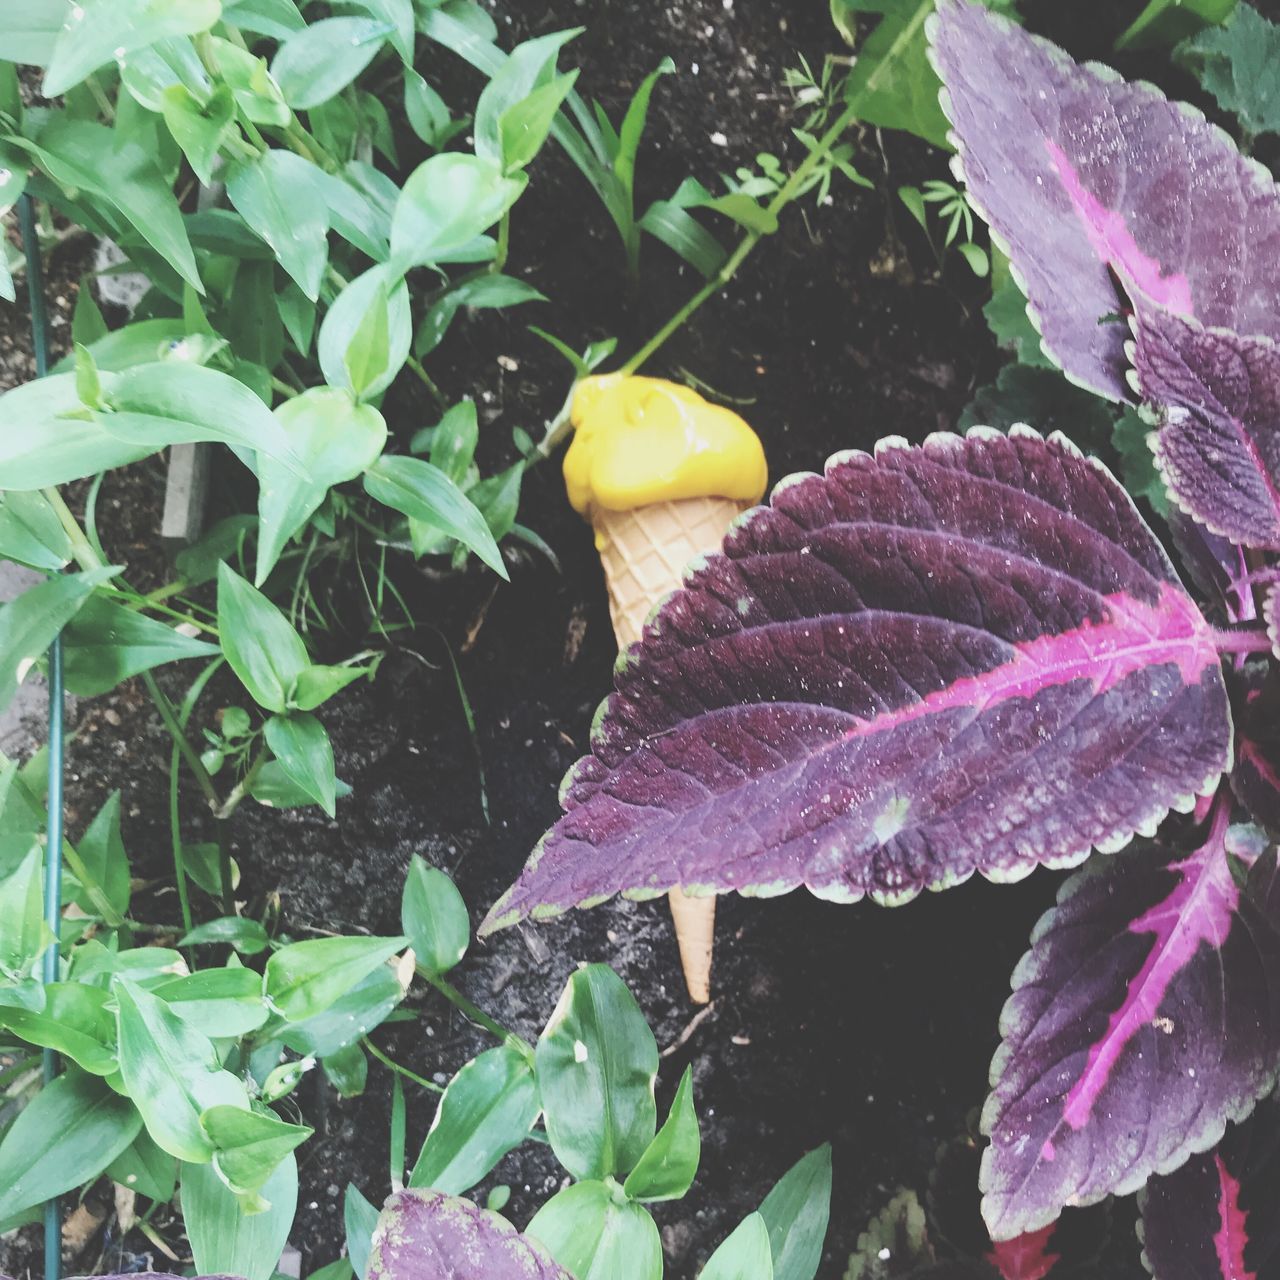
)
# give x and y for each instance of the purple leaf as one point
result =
(966, 656)
(1144, 1017)
(1213, 564)
(1215, 1218)
(1255, 775)
(1100, 176)
(427, 1235)
(1218, 447)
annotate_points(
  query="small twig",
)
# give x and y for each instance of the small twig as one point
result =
(694, 1023)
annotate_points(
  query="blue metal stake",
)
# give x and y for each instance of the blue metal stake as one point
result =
(53, 851)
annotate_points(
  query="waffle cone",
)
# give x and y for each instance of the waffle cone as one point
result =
(644, 553)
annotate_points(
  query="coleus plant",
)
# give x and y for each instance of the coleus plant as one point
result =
(975, 655)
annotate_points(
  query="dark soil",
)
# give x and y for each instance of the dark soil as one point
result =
(867, 1028)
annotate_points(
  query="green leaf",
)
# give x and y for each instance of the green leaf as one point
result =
(305, 753)
(146, 73)
(263, 649)
(31, 30)
(681, 232)
(219, 1003)
(487, 1110)
(1044, 396)
(250, 1144)
(279, 197)
(364, 340)
(347, 1070)
(31, 533)
(224, 1239)
(66, 1136)
(306, 978)
(171, 1071)
(256, 92)
(100, 31)
(199, 128)
(247, 936)
(29, 622)
(453, 441)
(106, 643)
(670, 1163)
(633, 124)
(1008, 319)
(498, 499)
(360, 1219)
(143, 342)
(144, 1168)
(74, 1021)
(425, 109)
(1237, 64)
(529, 67)
(87, 324)
(796, 1212)
(123, 172)
(589, 1233)
(524, 127)
(275, 18)
(744, 1255)
(102, 852)
(483, 291)
(314, 64)
(423, 492)
(1165, 22)
(317, 684)
(55, 447)
(446, 202)
(434, 918)
(23, 934)
(597, 1061)
(174, 402)
(1130, 438)
(335, 440)
(275, 789)
(351, 1016)
(399, 16)
(895, 1243)
(892, 82)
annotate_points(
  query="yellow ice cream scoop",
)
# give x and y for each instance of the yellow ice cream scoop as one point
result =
(639, 441)
(661, 473)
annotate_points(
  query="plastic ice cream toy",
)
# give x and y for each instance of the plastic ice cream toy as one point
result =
(661, 473)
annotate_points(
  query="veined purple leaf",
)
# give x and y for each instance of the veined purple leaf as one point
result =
(970, 655)
(1218, 447)
(1215, 1218)
(1101, 176)
(1255, 775)
(427, 1235)
(1144, 1017)
(1214, 564)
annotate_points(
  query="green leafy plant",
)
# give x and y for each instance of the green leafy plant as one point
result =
(951, 208)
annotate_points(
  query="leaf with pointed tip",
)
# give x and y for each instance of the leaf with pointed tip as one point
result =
(1103, 176)
(1218, 446)
(1144, 1017)
(424, 1235)
(966, 656)
(1214, 1218)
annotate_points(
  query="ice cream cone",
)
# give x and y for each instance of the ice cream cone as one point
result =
(644, 553)
(661, 474)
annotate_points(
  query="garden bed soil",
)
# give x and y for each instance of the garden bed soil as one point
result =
(868, 1028)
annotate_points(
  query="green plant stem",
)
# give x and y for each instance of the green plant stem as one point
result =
(86, 555)
(793, 186)
(474, 1012)
(504, 244)
(239, 791)
(181, 741)
(421, 1081)
(427, 381)
(278, 384)
(305, 145)
(175, 837)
